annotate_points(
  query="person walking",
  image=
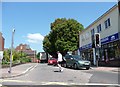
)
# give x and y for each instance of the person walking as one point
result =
(59, 61)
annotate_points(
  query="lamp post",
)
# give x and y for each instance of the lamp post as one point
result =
(12, 42)
(34, 55)
(21, 50)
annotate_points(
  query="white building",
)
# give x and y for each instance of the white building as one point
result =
(108, 26)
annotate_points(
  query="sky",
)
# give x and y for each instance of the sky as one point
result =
(31, 20)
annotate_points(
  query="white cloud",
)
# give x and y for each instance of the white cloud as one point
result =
(35, 38)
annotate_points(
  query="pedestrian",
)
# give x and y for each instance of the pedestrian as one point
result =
(59, 61)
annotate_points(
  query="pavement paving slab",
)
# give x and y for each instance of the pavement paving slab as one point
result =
(16, 70)
(110, 69)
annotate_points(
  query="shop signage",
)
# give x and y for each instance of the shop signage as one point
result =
(111, 38)
(86, 46)
(105, 40)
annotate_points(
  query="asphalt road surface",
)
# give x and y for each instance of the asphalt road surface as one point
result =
(44, 74)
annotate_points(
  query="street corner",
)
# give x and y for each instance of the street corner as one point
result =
(116, 70)
(110, 69)
(10, 75)
(16, 72)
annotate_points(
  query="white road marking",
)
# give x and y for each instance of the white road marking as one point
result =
(55, 83)
(30, 68)
(22, 81)
(66, 83)
(34, 67)
(101, 84)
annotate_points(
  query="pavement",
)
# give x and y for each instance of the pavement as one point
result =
(25, 68)
(17, 70)
(109, 69)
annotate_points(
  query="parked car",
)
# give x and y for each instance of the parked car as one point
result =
(52, 61)
(76, 62)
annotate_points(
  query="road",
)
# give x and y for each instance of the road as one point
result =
(44, 74)
(103, 77)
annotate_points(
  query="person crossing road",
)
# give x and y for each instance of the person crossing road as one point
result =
(59, 61)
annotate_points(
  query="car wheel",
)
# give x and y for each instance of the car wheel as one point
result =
(65, 65)
(75, 66)
(87, 68)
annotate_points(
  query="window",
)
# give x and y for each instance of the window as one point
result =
(107, 23)
(87, 35)
(99, 28)
(83, 38)
(92, 32)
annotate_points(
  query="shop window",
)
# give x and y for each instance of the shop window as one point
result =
(111, 53)
(117, 50)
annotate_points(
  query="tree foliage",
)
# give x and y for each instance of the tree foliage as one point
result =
(63, 36)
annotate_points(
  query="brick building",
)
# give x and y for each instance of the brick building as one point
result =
(1, 42)
(26, 49)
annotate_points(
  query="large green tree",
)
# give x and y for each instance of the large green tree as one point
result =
(63, 36)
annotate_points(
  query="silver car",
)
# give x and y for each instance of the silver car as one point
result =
(76, 62)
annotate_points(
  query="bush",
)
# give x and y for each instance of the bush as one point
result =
(25, 60)
(5, 62)
(16, 62)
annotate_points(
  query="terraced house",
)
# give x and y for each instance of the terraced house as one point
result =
(108, 27)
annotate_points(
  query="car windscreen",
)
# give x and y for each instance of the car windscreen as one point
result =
(77, 57)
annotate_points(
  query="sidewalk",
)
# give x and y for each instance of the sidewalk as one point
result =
(17, 70)
(110, 69)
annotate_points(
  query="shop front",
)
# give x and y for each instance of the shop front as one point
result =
(87, 52)
(110, 51)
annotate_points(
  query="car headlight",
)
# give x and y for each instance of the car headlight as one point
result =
(80, 62)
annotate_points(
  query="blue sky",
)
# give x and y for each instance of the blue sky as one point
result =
(32, 20)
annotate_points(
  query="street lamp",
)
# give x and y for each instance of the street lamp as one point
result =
(21, 50)
(34, 55)
(12, 42)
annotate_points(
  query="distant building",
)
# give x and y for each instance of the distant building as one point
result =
(23, 47)
(1, 42)
(26, 49)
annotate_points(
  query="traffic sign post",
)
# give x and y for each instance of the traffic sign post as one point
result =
(97, 46)
(97, 40)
